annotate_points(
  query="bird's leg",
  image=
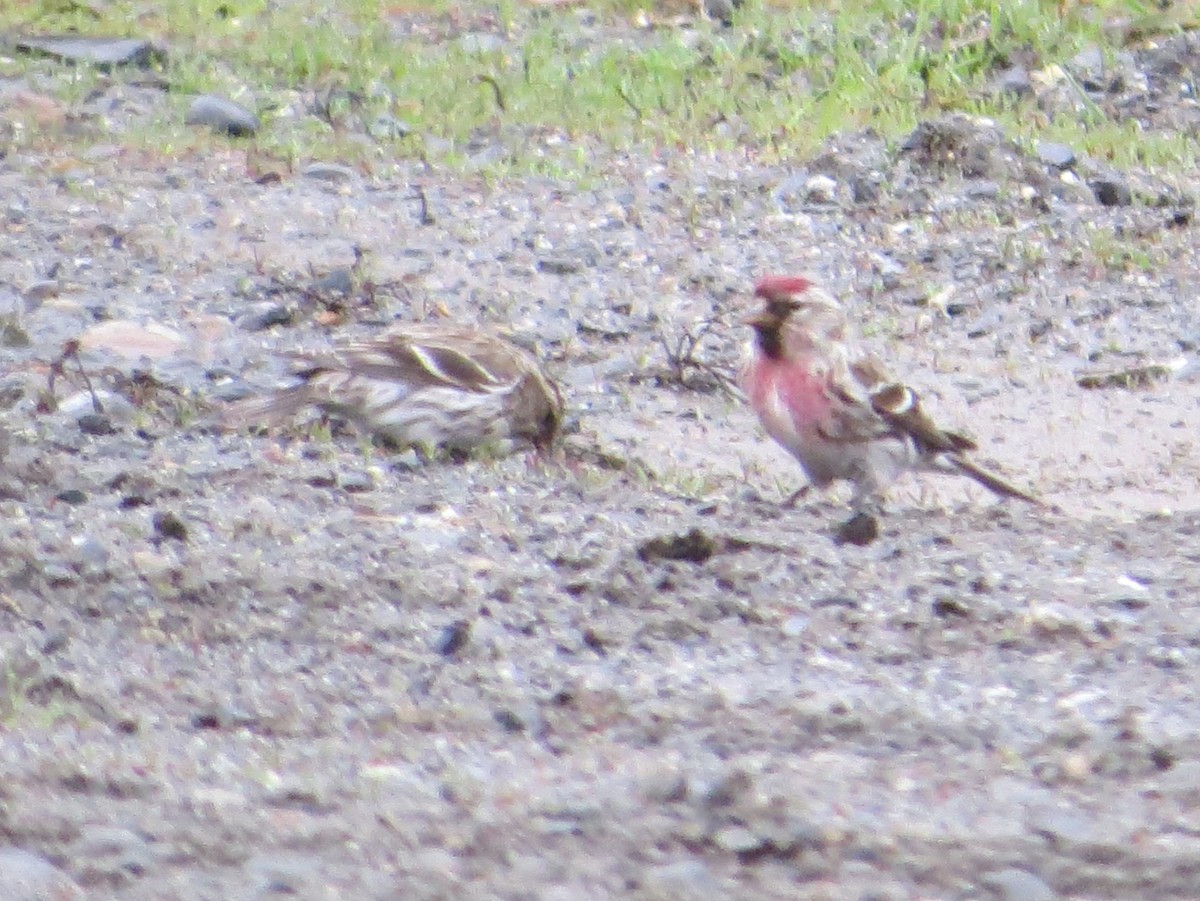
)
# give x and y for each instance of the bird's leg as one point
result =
(796, 496)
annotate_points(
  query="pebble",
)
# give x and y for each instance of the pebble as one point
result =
(356, 481)
(737, 840)
(682, 880)
(100, 51)
(1012, 884)
(1059, 156)
(388, 127)
(330, 172)
(1111, 192)
(284, 875)
(453, 638)
(1015, 81)
(28, 877)
(222, 116)
(821, 189)
(264, 315)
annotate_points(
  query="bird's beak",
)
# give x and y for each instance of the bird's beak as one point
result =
(761, 319)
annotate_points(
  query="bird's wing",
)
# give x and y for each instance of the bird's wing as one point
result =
(853, 418)
(900, 407)
(421, 359)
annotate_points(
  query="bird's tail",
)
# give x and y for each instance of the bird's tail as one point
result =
(265, 410)
(988, 479)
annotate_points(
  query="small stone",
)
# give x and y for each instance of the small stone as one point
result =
(683, 880)
(28, 877)
(737, 840)
(727, 789)
(97, 841)
(72, 496)
(721, 10)
(41, 291)
(386, 127)
(983, 190)
(96, 424)
(284, 875)
(481, 42)
(794, 626)
(356, 481)
(1012, 884)
(222, 116)
(864, 190)
(330, 172)
(860, 529)
(950, 607)
(453, 638)
(1111, 192)
(1015, 81)
(1059, 156)
(339, 281)
(559, 265)
(694, 546)
(509, 721)
(168, 525)
(820, 189)
(99, 51)
(262, 316)
(665, 785)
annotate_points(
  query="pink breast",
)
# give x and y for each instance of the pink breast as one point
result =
(788, 389)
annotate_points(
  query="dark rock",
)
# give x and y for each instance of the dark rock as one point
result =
(96, 424)
(453, 638)
(957, 142)
(330, 172)
(693, 546)
(387, 127)
(1015, 81)
(94, 51)
(222, 116)
(947, 607)
(721, 10)
(509, 721)
(1111, 192)
(864, 189)
(72, 496)
(263, 316)
(559, 265)
(728, 789)
(860, 529)
(356, 481)
(168, 525)
(1180, 219)
(339, 281)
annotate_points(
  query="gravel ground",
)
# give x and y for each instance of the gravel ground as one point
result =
(238, 666)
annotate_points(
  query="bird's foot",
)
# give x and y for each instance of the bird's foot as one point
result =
(796, 496)
(860, 529)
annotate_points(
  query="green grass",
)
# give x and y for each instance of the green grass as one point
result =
(551, 90)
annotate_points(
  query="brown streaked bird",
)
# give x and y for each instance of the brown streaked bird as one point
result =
(425, 385)
(835, 408)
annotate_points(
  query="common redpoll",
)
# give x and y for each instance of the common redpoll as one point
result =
(834, 408)
(421, 385)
